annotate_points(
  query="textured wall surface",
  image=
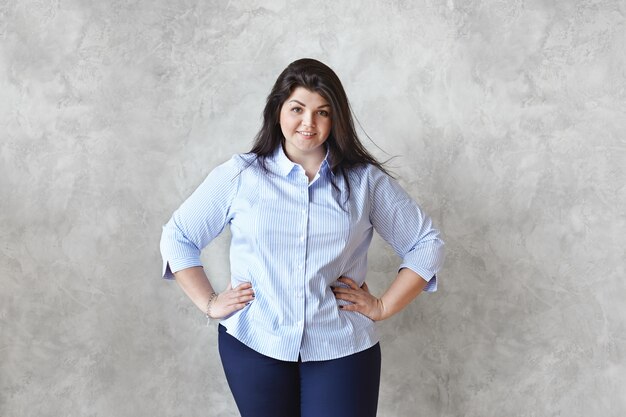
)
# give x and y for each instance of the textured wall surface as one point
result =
(509, 122)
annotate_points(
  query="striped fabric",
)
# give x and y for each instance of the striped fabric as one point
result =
(292, 239)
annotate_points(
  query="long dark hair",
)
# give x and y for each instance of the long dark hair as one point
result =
(345, 149)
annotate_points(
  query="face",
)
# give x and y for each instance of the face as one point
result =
(305, 120)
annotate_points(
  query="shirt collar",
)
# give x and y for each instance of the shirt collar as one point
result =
(284, 165)
(325, 167)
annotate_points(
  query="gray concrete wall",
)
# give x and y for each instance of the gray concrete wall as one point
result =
(509, 119)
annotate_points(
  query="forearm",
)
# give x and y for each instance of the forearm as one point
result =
(196, 285)
(402, 291)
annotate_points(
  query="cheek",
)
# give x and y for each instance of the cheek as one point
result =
(327, 127)
(281, 118)
(285, 125)
(287, 118)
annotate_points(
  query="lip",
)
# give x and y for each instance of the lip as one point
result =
(301, 133)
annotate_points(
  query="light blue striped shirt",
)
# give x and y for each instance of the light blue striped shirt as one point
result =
(292, 239)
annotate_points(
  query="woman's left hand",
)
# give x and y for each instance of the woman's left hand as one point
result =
(361, 298)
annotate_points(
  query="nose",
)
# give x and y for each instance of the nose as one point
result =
(308, 119)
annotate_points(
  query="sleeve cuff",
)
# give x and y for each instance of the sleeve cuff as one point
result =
(432, 285)
(175, 265)
(428, 276)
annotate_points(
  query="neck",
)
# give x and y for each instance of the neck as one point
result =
(311, 162)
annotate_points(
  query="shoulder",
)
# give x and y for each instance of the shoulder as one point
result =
(236, 164)
(242, 160)
(367, 175)
(227, 173)
(245, 159)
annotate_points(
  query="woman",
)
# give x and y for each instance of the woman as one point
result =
(297, 334)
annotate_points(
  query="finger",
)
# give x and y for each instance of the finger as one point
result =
(238, 293)
(248, 292)
(342, 290)
(243, 299)
(236, 298)
(365, 287)
(239, 306)
(348, 292)
(349, 282)
(228, 305)
(243, 286)
(350, 307)
(348, 297)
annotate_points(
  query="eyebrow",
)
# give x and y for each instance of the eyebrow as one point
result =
(304, 105)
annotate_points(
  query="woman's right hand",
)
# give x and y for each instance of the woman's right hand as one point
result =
(231, 300)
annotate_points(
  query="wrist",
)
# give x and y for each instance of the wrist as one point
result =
(381, 308)
(209, 306)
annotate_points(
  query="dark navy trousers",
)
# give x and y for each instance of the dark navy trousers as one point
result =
(267, 387)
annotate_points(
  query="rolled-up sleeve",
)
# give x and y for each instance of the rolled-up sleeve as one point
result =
(401, 222)
(200, 219)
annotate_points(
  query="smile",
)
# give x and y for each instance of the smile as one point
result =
(306, 133)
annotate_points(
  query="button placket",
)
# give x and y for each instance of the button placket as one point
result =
(300, 283)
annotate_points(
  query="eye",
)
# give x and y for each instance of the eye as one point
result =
(296, 109)
(323, 113)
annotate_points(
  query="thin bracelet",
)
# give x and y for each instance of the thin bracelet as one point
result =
(209, 304)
